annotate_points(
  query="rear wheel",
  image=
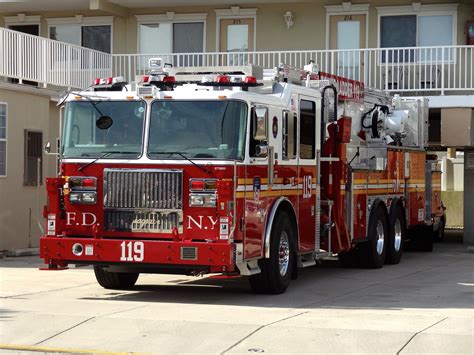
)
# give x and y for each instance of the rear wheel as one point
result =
(397, 235)
(115, 280)
(372, 253)
(277, 270)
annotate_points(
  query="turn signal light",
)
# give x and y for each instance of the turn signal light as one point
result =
(203, 185)
(82, 183)
(197, 185)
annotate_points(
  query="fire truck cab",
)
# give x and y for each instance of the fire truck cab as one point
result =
(239, 171)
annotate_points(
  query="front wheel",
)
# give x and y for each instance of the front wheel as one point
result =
(277, 270)
(115, 280)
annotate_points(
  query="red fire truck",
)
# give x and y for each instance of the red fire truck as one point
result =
(238, 171)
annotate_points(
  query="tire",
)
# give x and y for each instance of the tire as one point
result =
(438, 236)
(397, 236)
(115, 280)
(278, 269)
(371, 254)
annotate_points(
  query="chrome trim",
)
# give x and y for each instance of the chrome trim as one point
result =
(269, 224)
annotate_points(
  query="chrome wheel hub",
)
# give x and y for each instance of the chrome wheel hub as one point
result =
(284, 253)
(380, 237)
(397, 237)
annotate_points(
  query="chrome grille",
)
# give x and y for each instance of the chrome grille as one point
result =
(144, 221)
(145, 188)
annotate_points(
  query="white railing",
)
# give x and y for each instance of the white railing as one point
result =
(431, 69)
(50, 63)
(416, 69)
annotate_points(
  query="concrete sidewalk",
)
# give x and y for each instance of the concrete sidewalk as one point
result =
(424, 305)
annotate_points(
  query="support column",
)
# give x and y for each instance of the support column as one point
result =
(468, 197)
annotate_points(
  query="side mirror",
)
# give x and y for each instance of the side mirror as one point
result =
(47, 148)
(260, 123)
(261, 150)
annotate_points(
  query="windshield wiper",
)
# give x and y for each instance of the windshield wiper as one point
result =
(103, 155)
(185, 157)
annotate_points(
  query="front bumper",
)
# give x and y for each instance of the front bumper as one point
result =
(218, 257)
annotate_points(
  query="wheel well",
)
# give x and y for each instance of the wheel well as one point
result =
(282, 204)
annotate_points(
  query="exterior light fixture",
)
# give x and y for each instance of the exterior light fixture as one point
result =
(289, 19)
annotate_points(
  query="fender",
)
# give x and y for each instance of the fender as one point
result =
(269, 224)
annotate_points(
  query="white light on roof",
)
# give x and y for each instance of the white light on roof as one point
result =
(155, 63)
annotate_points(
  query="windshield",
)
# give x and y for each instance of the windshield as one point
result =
(197, 129)
(93, 128)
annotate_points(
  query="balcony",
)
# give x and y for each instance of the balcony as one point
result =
(38, 60)
(411, 71)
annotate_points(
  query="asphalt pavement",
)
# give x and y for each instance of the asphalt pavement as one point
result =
(423, 305)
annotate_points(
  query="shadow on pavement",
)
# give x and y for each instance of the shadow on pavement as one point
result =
(442, 279)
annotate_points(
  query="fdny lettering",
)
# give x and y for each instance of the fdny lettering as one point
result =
(87, 219)
(201, 222)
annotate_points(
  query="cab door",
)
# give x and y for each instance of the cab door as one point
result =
(256, 182)
(307, 173)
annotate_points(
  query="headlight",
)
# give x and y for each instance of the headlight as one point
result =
(202, 200)
(83, 197)
(75, 197)
(89, 197)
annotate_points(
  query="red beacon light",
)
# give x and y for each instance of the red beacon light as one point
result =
(97, 81)
(169, 79)
(108, 81)
(222, 79)
(250, 80)
(146, 79)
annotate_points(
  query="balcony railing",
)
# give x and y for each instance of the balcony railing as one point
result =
(50, 63)
(413, 69)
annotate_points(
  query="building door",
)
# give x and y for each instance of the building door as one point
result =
(236, 36)
(348, 32)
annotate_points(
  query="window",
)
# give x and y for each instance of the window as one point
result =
(90, 32)
(289, 135)
(197, 129)
(406, 26)
(307, 129)
(3, 139)
(33, 158)
(160, 34)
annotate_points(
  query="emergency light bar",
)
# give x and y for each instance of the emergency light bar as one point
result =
(109, 84)
(226, 80)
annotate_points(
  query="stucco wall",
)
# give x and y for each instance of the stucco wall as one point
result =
(19, 211)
